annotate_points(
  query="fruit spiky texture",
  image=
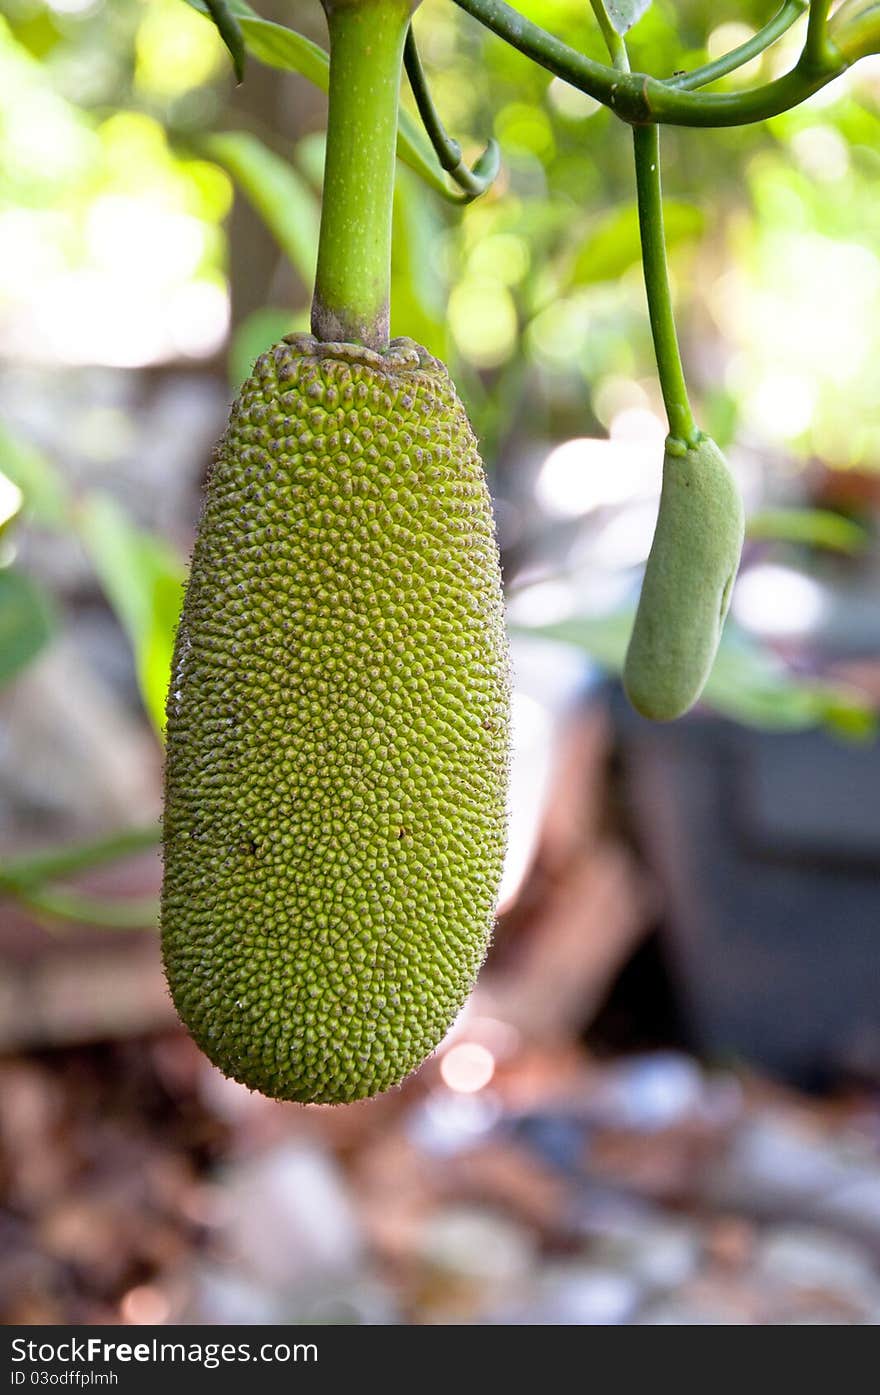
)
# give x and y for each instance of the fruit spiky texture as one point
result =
(337, 727)
(688, 582)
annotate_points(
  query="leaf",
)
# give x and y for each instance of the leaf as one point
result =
(854, 29)
(143, 579)
(282, 197)
(311, 153)
(625, 13)
(279, 47)
(129, 913)
(230, 32)
(418, 297)
(240, 8)
(747, 684)
(27, 622)
(816, 527)
(29, 470)
(258, 331)
(614, 245)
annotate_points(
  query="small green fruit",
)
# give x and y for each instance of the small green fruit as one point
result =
(688, 582)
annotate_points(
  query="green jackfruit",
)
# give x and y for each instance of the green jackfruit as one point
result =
(337, 727)
(688, 582)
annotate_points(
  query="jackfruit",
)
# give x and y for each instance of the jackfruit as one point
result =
(688, 582)
(337, 727)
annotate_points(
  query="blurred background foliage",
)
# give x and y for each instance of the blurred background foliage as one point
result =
(154, 217)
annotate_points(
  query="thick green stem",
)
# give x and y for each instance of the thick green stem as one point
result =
(682, 426)
(350, 303)
(669, 106)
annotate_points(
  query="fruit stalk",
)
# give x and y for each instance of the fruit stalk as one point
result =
(646, 142)
(351, 299)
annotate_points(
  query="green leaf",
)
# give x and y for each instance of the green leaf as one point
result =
(625, 13)
(239, 8)
(131, 913)
(310, 154)
(27, 622)
(747, 684)
(279, 47)
(613, 245)
(45, 498)
(854, 29)
(258, 331)
(230, 32)
(282, 197)
(815, 527)
(418, 292)
(142, 578)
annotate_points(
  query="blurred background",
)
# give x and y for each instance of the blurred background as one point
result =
(662, 1105)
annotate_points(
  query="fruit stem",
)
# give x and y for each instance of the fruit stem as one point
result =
(682, 427)
(351, 299)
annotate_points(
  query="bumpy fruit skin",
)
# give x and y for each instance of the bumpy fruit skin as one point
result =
(337, 727)
(688, 582)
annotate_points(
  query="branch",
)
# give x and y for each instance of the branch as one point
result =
(596, 79)
(640, 99)
(667, 106)
(472, 182)
(744, 53)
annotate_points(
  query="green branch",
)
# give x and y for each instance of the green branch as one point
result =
(745, 52)
(596, 79)
(472, 182)
(682, 427)
(638, 98)
(667, 106)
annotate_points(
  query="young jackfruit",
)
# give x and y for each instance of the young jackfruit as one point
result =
(337, 727)
(688, 582)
